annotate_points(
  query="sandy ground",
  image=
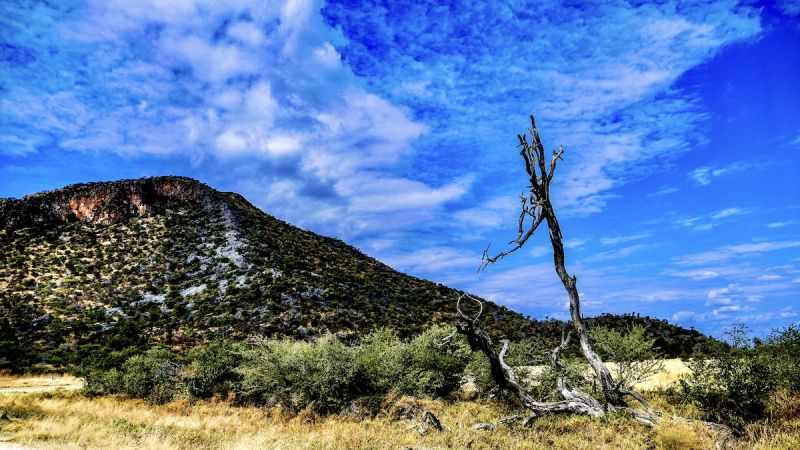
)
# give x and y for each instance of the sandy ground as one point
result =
(10, 446)
(38, 383)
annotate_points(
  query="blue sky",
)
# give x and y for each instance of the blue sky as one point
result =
(392, 125)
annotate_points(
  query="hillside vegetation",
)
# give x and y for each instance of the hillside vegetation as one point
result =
(118, 265)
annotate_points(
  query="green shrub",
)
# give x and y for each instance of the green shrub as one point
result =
(329, 376)
(426, 366)
(382, 360)
(432, 368)
(101, 382)
(732, 384)
(213, 369)
(321, 375)
(633, 353)
(154, 376)
(784, 348)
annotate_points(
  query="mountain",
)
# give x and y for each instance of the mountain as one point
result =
(173, 260)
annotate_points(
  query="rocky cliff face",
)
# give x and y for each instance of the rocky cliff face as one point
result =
(100, 203)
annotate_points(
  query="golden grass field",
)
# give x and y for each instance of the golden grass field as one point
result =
(64, 419)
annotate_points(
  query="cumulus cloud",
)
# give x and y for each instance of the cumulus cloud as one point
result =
(256, 87)
(393, 126)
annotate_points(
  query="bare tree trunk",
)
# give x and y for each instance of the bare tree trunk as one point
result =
(607, 384)
(575, 402)
(538, 207)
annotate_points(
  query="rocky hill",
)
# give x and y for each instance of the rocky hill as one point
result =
(173, 260)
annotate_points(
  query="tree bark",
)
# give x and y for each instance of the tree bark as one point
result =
(575, 402)
(607, 384)
(538, 207)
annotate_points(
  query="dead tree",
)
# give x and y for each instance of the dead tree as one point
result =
(536, 209)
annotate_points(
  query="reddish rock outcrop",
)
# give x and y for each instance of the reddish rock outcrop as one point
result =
(101, 203)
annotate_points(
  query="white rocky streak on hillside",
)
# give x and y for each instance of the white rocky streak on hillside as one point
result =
(233, 241)
(193, 290)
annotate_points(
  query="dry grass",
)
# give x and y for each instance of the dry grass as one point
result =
(65, 419)
(677, 435)
(69, 420)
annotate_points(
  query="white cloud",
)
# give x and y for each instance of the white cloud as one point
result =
(664, 191)
(703, 176)
(540, 250)
(575, 243)
(433, 259)
(680, 316)
(731, 251)
(770, 277)
(327, 55)
(246, 32)
(392, 194)
(616, 254)
(529, 285)
(707, 222)
(210, 62)
(495, 213)
(699, 274)
(730, 308)
(782, 224)
(258, 88)
(622, 239)
(728, 213)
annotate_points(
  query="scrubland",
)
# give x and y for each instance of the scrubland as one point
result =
(67, 419)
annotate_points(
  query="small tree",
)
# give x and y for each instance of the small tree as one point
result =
(633, 353)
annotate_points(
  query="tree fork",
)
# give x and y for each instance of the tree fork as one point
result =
(539, 208)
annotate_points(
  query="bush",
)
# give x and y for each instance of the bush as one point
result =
(213, 369)
(322, 375)
(326, 376)
(732, 384)
(431, 368)
(329, 376)
(382, 360)
(633, 354)
(101, 382)
(784, 348)
(154, 376)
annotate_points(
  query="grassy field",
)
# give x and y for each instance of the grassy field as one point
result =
(63, 418)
